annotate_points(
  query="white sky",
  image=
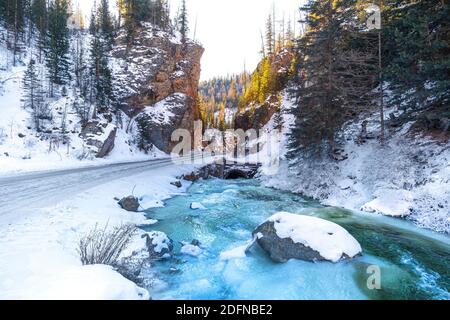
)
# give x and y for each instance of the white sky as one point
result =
(229, 30)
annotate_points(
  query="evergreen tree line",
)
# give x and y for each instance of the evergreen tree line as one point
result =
(133, 12)
(268, 78)
(221, 93)
(341, 72)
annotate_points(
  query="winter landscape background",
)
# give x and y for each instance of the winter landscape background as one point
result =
(350, 100)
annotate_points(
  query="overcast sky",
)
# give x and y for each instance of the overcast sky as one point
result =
(229, 30)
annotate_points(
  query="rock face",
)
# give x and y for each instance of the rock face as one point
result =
(99, 136)
(257, 118)
(158, 74)
(130, 203)
(211, 170)
(177, 111)
(223, 171)
(288, 236)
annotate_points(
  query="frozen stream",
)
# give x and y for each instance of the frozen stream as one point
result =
(415, 264)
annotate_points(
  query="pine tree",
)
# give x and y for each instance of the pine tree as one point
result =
(278, 118)
(105, 22)
(266, 81)
(417, 53)
(100, 73)
(127, 9)
(183, 23)
(269, 36)
(32, 93)
(144, 142)
(339, 71)
(39, 18)
(13, 13)
(79, 63)
(160, 14)
(30, 84)
(232, 92)
(57, 43)
(132, 12)
(289, 34)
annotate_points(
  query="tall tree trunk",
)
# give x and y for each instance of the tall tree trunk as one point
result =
(16, 32)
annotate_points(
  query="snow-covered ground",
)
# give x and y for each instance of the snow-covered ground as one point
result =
(38, 246)
(408, 177)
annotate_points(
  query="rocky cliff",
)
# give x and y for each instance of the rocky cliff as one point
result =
(257, 115)
(156, 82)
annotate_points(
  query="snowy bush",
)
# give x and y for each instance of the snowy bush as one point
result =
(29, 142)
(103, 246)
(84, 154)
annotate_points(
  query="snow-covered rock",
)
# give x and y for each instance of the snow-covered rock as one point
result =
(197, 206)
(288, 236)
(130, 203)
(177, 184)
(159, 245)
(394, 203)
(191, 250)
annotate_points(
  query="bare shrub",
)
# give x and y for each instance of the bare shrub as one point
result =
(103, 246)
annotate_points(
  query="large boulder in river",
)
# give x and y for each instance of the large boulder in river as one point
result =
(130, 203)
(286, 236)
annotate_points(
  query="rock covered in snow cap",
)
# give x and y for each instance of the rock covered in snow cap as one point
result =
(159, 245)
(177, 184)
(288, 236)
(130, 203)
(191, 250)
(197, 206)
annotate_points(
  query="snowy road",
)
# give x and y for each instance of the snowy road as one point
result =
(43, 215)
(42, 189)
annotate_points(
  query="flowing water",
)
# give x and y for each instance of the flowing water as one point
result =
(414, 263)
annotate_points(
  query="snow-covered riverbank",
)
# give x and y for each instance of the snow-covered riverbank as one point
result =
(38, 249)
(408, 177)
